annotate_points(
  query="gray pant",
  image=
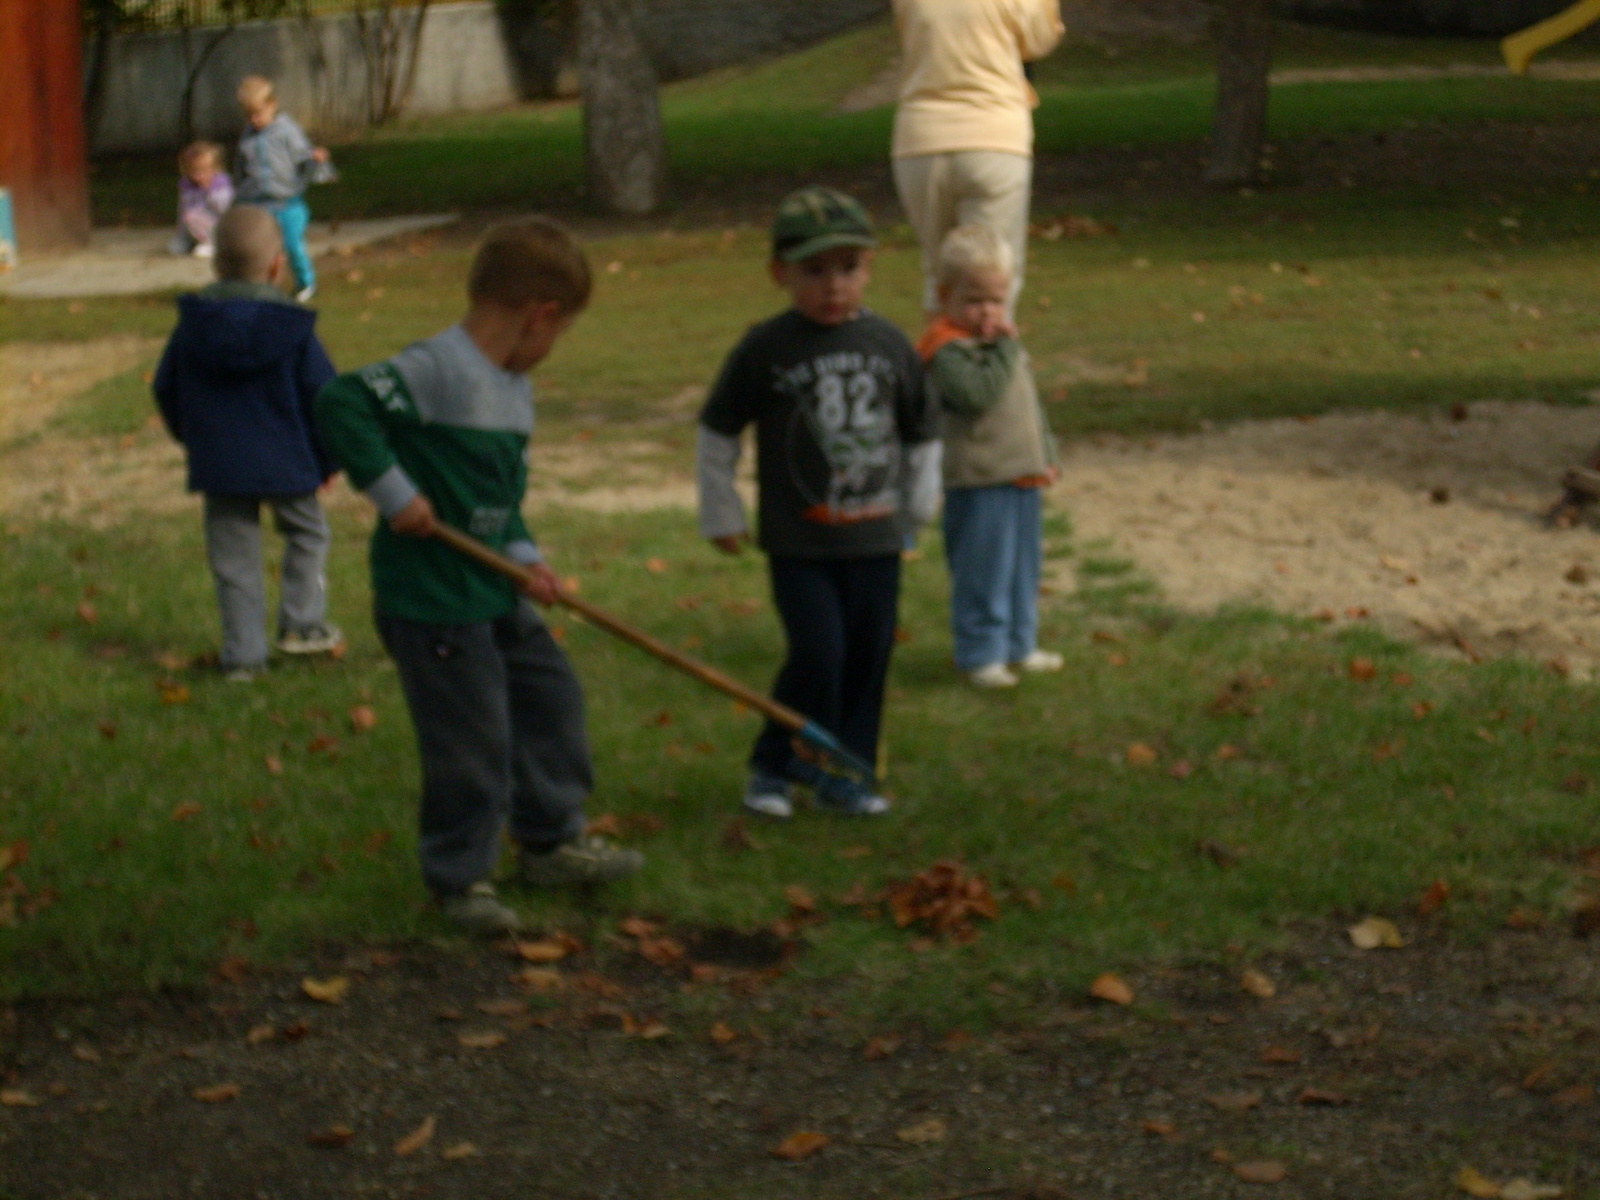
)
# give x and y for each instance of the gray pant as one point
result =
(500, 728)
(233, 548)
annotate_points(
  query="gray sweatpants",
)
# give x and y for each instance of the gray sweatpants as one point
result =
(500, 728)
(233, 548)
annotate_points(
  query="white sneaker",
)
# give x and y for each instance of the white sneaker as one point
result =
(769, 796)
(305, 295)
(319, 639)
(992, 675)
(204, 250)
(1041, 660)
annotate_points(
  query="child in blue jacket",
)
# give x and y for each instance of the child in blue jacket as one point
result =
(235, 386)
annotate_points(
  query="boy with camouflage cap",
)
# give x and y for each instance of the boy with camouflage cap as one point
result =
(847, 466)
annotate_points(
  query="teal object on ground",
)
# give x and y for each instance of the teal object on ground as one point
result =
(8, 233)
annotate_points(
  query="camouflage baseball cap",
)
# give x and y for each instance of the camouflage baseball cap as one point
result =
(815, 219)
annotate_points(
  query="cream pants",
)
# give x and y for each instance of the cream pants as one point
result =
(966, 187)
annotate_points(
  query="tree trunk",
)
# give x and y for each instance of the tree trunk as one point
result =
(624, 146)
(1243, 33)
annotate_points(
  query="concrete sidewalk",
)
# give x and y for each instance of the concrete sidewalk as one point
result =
(126, 262)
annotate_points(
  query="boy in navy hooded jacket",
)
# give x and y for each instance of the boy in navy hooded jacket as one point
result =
(236, 386)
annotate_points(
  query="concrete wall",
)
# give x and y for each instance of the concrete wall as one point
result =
(475, 55)
(1470, 17)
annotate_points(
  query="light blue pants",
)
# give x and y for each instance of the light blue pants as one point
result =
(293, 217)
(994, 542)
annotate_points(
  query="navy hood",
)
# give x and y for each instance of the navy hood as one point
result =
(237, 335)
(236, 386)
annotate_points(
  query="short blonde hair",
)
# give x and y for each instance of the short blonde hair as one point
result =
(967, 249)
(198, 152)
(255, 92)
(247, 240)
(528, 261)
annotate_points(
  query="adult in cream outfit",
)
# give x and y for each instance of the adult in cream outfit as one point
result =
(963, 131)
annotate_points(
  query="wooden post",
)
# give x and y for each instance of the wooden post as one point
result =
(43, 156)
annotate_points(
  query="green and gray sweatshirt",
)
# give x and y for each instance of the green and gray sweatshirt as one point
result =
(440, 419)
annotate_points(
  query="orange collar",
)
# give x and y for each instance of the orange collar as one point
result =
(940, 333)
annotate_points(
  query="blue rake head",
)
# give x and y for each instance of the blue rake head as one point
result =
(829, 756)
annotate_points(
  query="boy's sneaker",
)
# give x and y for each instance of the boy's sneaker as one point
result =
(306, 294)
(1041, 660)
(319, 639)
(586, 861)
(769, 796)
(479, 909)
(204, 250)
(992, 675)
(243, 674)
(849, 798)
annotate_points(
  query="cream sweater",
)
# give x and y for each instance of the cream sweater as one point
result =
(963, 86)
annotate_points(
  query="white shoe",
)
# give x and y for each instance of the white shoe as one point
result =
(305, 295)
(1041, 660)
(769, 796)
(992, 675)
(204, 250)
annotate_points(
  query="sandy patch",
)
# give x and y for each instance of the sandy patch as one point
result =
(1338, 515)
(37, 377)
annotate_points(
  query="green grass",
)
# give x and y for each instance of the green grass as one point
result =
(777, 118)
(1311, 302)
(1032, 789)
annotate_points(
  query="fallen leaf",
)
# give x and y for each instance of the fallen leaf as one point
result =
(458, 1151)
(802, 1144)
(186, 810)
(17, 1098)
(1264, 1170)
(1363, 669)
(1281, 1056)
(1526, 1189)
(509, 1007)
(1316, 1095)
(1434, 898)
(296, 1031)
(1259, 984)
(417, 1138)
(856, 852)
(1227, 752)
(923, 1132)
(539, 979)
(173, 693)
(1475, 1184)
(1112, 989)
(219, 1093)
(881, 1046)
(1141, 755)
(1235, 1102)
(1524, 918)
(1181, 769)
(274, 765)
(259, 1034)
(326, 991)
(799, 899)
(655, 566)
(546, 950)
(1376, 933)
(85, 1053)
(1572, 1097)
(1161, 1129)
(334, 1137)
(363, 719)
(722, 1034)
(662, 951)
(486, 1039)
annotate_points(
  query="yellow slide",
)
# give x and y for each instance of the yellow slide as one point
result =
(1521, 46)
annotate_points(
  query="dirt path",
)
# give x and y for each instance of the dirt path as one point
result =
(1428, 524)
(1367, 1077)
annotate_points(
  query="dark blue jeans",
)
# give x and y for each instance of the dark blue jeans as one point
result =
(839, 618)
(500, 728)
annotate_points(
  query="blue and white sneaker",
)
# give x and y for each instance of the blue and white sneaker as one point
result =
(769, 796)
(848, 797)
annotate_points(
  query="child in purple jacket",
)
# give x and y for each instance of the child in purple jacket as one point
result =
(204, 193)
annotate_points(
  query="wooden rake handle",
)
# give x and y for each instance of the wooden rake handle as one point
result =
(616, 626)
